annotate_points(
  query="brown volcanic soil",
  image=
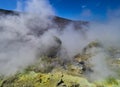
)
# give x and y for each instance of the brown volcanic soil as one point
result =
(61, 22)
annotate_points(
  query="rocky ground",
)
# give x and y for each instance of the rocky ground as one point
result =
(53, 72)
(49, 70)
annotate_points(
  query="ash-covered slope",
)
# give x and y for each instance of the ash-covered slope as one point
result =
(7, 12)
(60, 22)
(42, 57)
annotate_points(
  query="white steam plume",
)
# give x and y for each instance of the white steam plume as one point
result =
(106, 33)
(20, 39)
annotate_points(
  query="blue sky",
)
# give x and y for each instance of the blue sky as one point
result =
(75, 9)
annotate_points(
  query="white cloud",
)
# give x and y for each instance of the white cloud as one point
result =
(83, 6)
(86, 13)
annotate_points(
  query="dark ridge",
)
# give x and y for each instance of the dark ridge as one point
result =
(58, 22)
(8, 12)
(62, 22)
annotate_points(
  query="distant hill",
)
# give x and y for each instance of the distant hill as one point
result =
(60, 22)
(7, 12)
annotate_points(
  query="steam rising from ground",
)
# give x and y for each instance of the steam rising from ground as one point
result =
(107, 33)
(20, 39)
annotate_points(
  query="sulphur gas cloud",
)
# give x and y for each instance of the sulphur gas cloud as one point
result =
(27, 36)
